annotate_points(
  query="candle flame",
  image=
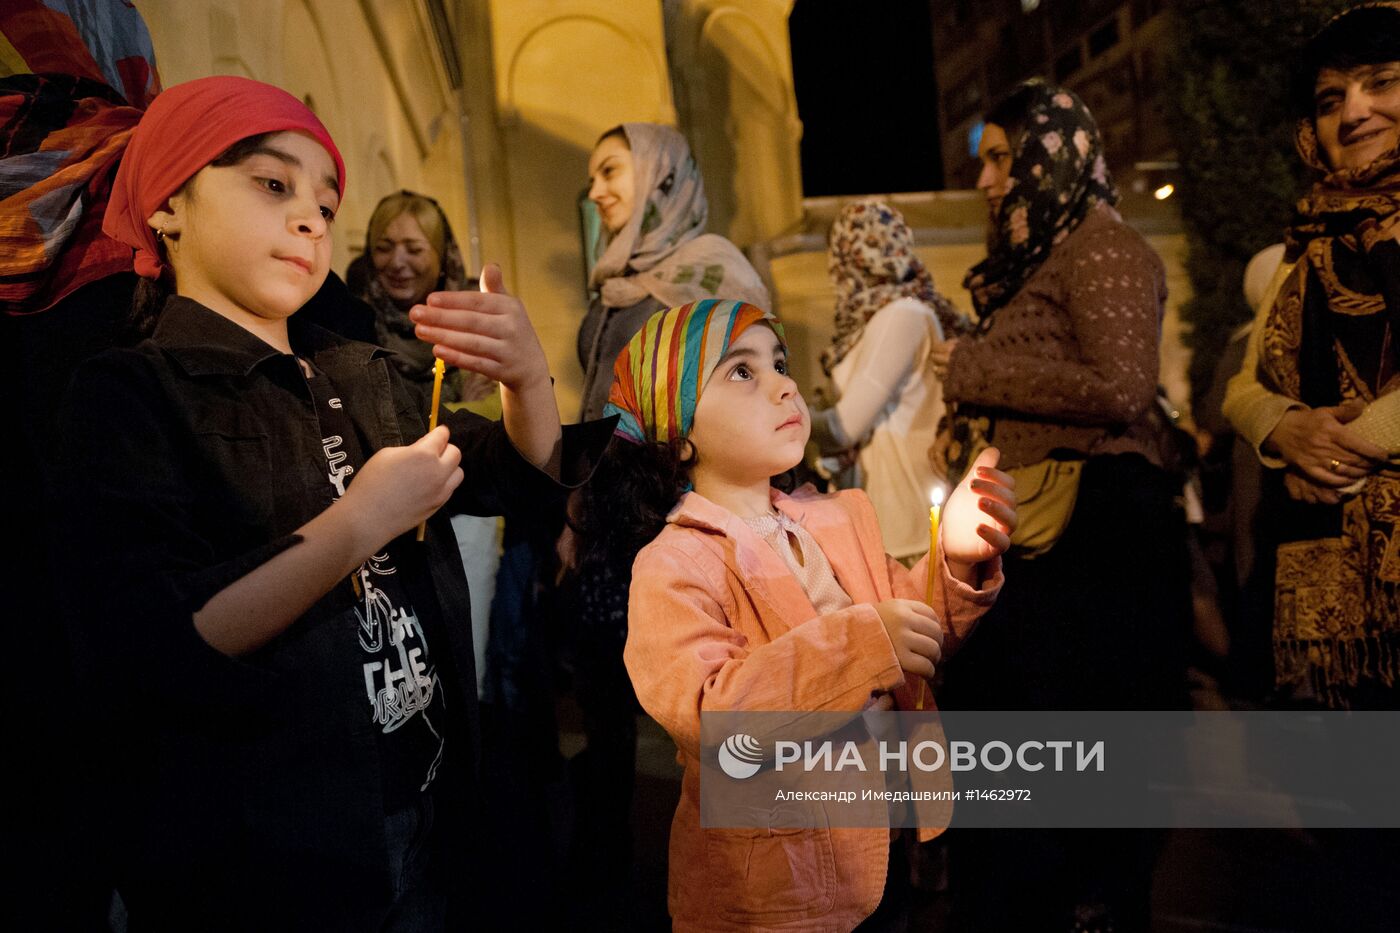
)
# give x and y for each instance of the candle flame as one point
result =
(937, 496)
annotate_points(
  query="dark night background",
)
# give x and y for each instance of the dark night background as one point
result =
(866, 93)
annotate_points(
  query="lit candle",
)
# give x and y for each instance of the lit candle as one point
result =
(935, 508)
(438, 369)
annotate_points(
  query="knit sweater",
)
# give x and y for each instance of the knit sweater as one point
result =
(1071, 361)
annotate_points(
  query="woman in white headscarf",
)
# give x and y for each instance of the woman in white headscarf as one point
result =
(651, 200)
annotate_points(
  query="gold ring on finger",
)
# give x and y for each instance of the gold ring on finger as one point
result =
(1335, 464)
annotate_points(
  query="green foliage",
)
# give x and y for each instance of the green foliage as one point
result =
(1240, 176)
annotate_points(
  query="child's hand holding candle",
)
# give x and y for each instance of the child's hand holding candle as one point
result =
(489, 332)
(438, 369)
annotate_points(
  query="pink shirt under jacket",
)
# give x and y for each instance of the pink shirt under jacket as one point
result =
(716, 621)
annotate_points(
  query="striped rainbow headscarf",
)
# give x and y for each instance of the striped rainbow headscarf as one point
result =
(659, 375)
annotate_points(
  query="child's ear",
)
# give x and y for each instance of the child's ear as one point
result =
(165, 221)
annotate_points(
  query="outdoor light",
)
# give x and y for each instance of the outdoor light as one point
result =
(974, 138)
(1164, 192)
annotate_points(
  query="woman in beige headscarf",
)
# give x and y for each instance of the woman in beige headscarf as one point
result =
(651, 200)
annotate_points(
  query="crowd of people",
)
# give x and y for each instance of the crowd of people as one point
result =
(307, 542)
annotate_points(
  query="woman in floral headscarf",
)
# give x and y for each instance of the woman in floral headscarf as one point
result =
(889, 318)
(1062, 375)
(651, 200)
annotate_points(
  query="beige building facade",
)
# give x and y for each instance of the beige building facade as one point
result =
(492, 106)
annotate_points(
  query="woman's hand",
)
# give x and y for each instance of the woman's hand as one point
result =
(399, 487)
(1305, 490)
(487, 332)
(938, 454)
(939, 356)
(1316, 442)
(977, 522)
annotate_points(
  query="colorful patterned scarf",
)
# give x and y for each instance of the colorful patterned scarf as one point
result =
(75, 77)
(872, 262)
(659, 376)
(663, 250)
(1058, 174)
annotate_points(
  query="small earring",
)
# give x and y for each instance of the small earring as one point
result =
(160, 234)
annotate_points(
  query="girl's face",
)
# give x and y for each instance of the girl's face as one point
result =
(610, 184)
(995, 153)
(751, 423)
(406, 263)
(1357, 113)
(253, 240)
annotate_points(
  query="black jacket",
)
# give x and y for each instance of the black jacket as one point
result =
(192, 458)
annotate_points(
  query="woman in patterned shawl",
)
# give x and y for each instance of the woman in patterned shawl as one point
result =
(651, 199)
(889, 319)
(1326, 349)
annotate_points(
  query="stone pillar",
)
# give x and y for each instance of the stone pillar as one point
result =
(371, 72)
(731, 65)
(565, 71)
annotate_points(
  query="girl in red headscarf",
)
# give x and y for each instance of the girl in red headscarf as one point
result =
(290, 673)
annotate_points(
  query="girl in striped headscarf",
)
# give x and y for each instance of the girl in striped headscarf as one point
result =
(751, 599)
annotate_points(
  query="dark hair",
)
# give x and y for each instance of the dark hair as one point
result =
(617, 131)
(1362, 36)
(1012, 112)
(623, 507)
(151, 294)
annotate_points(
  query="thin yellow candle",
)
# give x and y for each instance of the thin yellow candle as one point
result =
(936, 498)
(438, 369)
(935, 508)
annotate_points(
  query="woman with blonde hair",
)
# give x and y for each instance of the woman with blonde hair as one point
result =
(410, 252)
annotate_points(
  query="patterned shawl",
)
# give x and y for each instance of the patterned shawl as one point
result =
(1328, 337)
(1058, 174)
(393, 330)
(75, 76)
(658, 378)
(872, 262)
(662, 250)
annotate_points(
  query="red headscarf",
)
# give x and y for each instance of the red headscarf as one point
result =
(185, 128)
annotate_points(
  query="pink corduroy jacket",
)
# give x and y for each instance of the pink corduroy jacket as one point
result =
(716, 621)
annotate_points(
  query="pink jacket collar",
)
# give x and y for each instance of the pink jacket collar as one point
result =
(847, 535)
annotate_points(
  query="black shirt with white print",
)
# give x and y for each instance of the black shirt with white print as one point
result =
(402, 692)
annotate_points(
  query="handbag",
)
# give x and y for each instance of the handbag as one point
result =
(1046, 491)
